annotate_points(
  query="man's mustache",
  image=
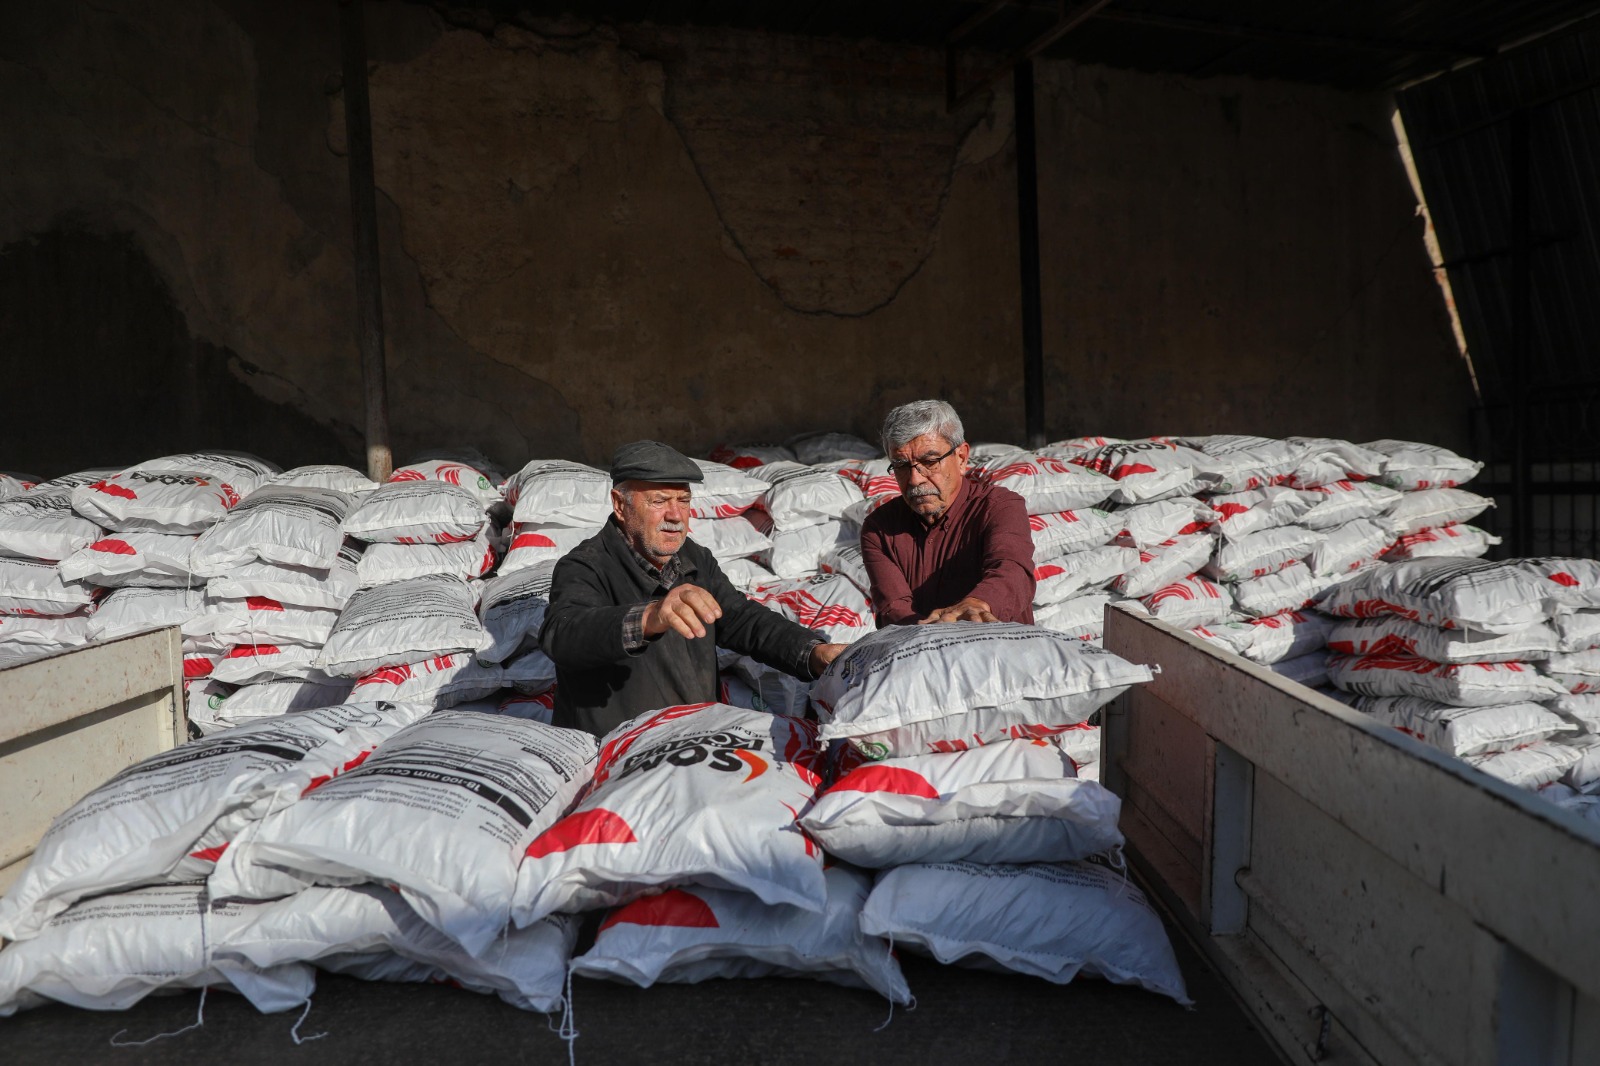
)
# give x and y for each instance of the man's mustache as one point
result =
(924, 490)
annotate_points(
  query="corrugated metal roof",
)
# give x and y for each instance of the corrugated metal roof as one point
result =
(1356, 44)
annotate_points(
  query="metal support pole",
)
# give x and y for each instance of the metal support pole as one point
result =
(364, 217)
(1028, 244)
(1521, 336)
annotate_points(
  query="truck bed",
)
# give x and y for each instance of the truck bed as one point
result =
(962, 1016)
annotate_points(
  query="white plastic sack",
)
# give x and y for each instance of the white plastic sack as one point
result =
(140, 560)
(272, 698)
(725, 492)
(416, 512)
(1238, 513)
(530, 673)
(140, 826)
(1049, 920)
(831, 604)
(1162, 564)
(729, 538)
(477, 788)
(135, 610)
(901, 690)
(799, 496)
(555, 492)
(1459, 685)
(1065, 576)
(1463, 731)
(1069, 531)
(1529, 767)
(1457, 541)
(798, 552)
(1082, 617)
(292, 585)
(1262, 553)
(746, 574)
(325, 476)
(1393, 635)
(1286, 635)
(1189, 602)
(174, 494)
(1150, 470)
(1241, 462)
(28, 586)
(1328, 460)
(243, 664)
(688, 935)
(1410, 466)
(1046, 484)
(384, 564)
(1582, 710)
(332, 927)
(1449, 593)
(1290, 589)
(1145, 525)
(845, 560)
(1350, 546)
(1566, 583)
(697, 795)
(746, 456)
(53, 632)
(111, 952)
(1338, 502)
(259, 620)
(512, 610)
(1019, 801)
(533, 546)
(284, 524)
(451, 472)
(441, 681)
(1575, 630)
(827, 447)
(403, 623)
(1428, 508)
(39, 523)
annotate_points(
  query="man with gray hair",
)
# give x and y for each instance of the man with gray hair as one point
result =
(951, 548)
(638, 611)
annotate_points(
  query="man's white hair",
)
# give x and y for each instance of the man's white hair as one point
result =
(911, 420)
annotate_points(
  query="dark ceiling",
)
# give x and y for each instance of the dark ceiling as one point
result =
(1352, 44)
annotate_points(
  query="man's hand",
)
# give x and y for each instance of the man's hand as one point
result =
(686, 610)
(822, 655)
(970, 609)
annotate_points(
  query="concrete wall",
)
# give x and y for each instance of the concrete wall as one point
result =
(593, 234)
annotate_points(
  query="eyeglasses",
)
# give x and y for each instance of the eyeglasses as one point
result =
(927, 463)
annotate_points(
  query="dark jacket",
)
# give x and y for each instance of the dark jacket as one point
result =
(600, 684)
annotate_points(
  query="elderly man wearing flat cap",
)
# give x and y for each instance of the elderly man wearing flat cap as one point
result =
(638, 611)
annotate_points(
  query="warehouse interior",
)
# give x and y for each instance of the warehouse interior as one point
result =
(542, 228)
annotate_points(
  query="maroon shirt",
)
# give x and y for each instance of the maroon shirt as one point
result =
(982, 546)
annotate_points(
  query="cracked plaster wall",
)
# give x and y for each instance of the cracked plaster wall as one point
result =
(591, 235)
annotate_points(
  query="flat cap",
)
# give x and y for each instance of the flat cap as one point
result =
(650, 460)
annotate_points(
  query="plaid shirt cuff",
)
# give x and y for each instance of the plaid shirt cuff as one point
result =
(633, 638)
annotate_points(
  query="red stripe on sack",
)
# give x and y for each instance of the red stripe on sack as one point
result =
(1049, 570)
(873, 778)
(1129, 469)
(532, 540)
(110, 489)
(209, 854)
(672, 907)
(598, 826)
(113, 547)
(245, 651)
(408, 475)
(1561, 577)
(262, 603)
(195, 666)
(1228, 510)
